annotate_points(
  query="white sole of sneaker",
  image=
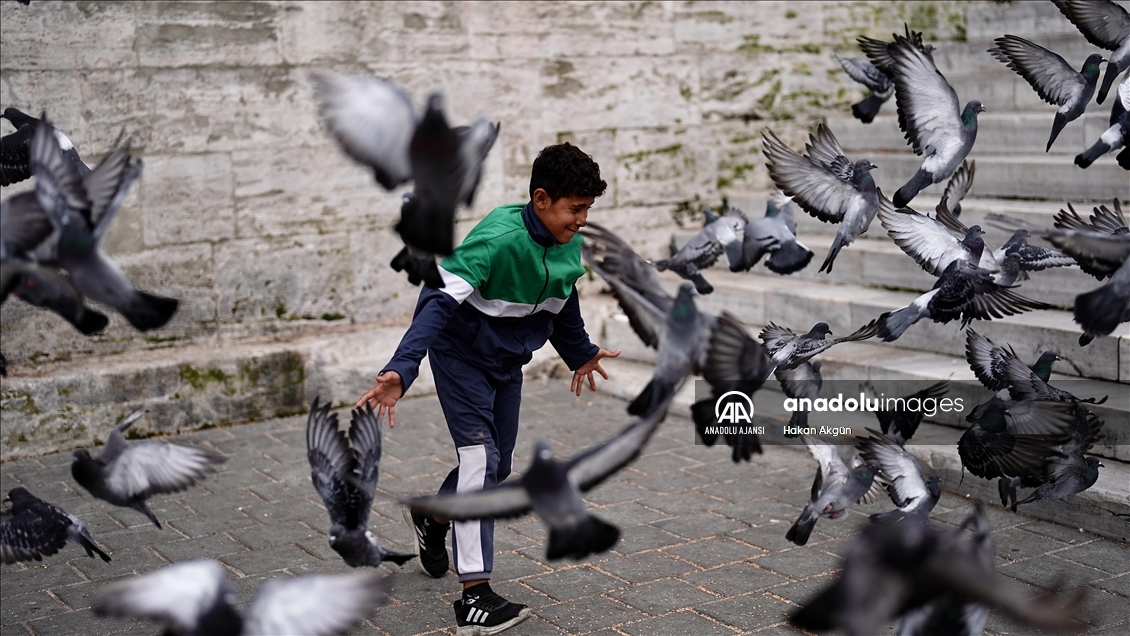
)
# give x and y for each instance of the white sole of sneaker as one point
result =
(481, 630)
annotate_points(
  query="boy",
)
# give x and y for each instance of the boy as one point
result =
(508, 288)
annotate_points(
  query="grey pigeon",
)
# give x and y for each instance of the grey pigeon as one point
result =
(835, 488)
(931, 117)
(420, 266)
(932, 243)
(721, 235)
(874, 80)
(788, 350)
(15, 149)
(802, 383)
(995, 367)
(81, 210)
(345, 476)
(552, 489)
(129, 473)
(375, 123)
(1115, 137)
(890, 570)
(54, 292)
(900, 424)
(874, 74)
(447, 164)
(1052, 77)
(826, 184)
(717, 347)
(1014, 438)
(914, 494)
(1065, 473)
(957, 188)
(1100, 311)
(194, 598)
(1031, 258)
(38, 529)
(1106, 25)
(775, 234)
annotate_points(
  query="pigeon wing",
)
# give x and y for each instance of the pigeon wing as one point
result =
(596, 464)
(106, 204)
(508, 499)
(988, 361)
(14, 151)
(932, 245)
(866, 73)
(150, 468)
(775, 336)
(1049, 74)
(734, 360)
(331, 460)
(899, 466)
(177, 595)
(476, 141)
(365, 433)
(37, 531)
(815, 188)
(58, 185)
(928, 110)
(373, 121)
(832, 466)
(1104, 24)
(317, 605)
(957, 188)
(23, 223)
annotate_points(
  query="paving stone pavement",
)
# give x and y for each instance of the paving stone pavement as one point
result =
(703, 548)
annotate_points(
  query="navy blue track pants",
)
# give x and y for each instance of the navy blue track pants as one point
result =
(481, 408)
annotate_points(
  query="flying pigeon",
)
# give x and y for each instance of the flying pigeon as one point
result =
(15, 149)
(801, 382)
(420, 266)
(128, 473)
(194, 598)
(874, 74)
(957, 188)
(914, 494)
(1106, 25)
(826, 184)
(345, 476)
(447, 164)
(375, 123)
(775, 234)
(81, 210)
(892, 570)
(1009, 438)
(996, 367)
(933, 243)
(37, 529)
(1051, 76)
(717, 347)
(874, 80)
(930, 116)
(1032, 258)
(552, 489)
(835, 488)
(900, 424)
(1115, 137)
(1064, 473)
(721, 234)
(788, 350)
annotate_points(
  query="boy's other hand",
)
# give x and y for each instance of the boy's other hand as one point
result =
(384, 395)
(586, 371)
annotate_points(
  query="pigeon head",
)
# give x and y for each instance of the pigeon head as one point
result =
(819, 330)
(17, 117)
(542, 451)
(864, 165)
(934, 486)
(973, 240)
(1091, 66)
(969, 115)
(1043, 366)
(17, 495)
(684, 309)
(1094, 463)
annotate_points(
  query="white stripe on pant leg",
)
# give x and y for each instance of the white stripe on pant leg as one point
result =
(472, 474)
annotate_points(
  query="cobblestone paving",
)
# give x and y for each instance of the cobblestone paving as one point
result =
(703, 548)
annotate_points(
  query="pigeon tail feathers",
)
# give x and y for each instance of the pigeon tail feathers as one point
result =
(790, 257)
(1057, 125)
(592, 536)
(147, 311)
(893, 324)
(799, 418)
(1088, 156)
(802, 529)
(866, 109)
(1108, 80)
(917, 183)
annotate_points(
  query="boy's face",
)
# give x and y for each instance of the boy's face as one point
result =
(563, 217)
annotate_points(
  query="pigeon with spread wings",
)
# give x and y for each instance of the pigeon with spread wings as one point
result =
(345, 475)
(788, 350)
(721, 235)
(129, 473)
(38, 529)
(775, 234)
(552, 489)
(1106, 25)
(834, 489)
(826, 184)
(194, 598)
(914, 494)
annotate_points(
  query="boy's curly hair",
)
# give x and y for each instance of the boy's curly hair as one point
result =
(565, 170)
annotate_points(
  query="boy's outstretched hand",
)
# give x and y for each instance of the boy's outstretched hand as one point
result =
(590, 366)
(385, 394)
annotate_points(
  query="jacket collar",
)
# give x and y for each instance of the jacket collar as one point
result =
(537, 230)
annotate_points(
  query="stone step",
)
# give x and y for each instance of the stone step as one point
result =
(987, 20)
(874, 367)
(1007, 133)
(1101, 509)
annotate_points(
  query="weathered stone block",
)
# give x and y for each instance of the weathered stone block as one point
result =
(82, 35)
(187, 198)
(663, 165)
(204, 33)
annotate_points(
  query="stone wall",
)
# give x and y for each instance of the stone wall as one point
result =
(250, 214)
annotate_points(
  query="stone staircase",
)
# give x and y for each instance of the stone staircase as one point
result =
(1014, 176)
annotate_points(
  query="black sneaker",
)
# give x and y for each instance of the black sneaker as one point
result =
(481, 612)
(431, 543)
